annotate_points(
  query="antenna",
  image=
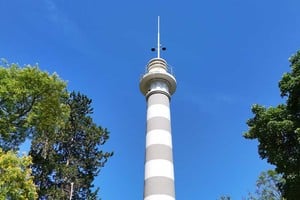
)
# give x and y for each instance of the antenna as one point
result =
(158, 38)
(159, 46)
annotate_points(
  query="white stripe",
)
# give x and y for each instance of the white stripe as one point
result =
(158, 110)
(159, 197)
(159, 167)
(159, 136)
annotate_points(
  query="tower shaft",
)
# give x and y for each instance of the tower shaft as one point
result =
(158, 85)
(159, 170)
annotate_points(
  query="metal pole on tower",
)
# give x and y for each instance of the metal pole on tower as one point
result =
(158, 37)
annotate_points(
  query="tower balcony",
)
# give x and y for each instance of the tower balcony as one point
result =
(157, 72)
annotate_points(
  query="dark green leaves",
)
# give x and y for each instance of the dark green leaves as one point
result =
(277, 131)
(73, 155)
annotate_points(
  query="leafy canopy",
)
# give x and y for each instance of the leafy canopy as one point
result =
(69, 161)
(267, 186)
(29, 99)
(66, 145)
(277, 130)
(16, 181)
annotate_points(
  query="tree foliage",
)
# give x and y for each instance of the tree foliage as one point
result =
(16, 181)
(73, 156)
(277, 130)
(267, 186)
(29, 99)
(225, 197)
(66, 145)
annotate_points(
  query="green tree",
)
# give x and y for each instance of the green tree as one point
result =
(225, 197)
(267, 186)
(30, 100)
(66, 143)
(66, 163)
(277, 130)
(16, 181)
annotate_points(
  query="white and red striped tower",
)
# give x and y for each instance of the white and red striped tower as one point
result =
(158, 84)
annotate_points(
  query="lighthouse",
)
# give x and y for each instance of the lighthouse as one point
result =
(158, 85)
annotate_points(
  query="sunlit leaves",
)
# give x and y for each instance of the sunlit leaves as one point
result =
(16, 181)
(267, 186)
(66, 144)
(29, 99)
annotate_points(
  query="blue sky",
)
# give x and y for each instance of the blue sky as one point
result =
(226, 56)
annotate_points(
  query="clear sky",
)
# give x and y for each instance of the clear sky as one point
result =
(226, 56)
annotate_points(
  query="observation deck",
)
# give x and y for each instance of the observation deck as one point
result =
(157, 71)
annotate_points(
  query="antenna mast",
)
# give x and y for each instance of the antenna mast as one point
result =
(159, 46)
(158, 38)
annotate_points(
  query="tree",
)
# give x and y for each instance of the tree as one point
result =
(277, 130)
(66, 143)
(66, 163)
(225, 198)
(16, 181)
(267, 186)
(30, 100)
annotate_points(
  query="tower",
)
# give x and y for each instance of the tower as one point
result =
(158, 84)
